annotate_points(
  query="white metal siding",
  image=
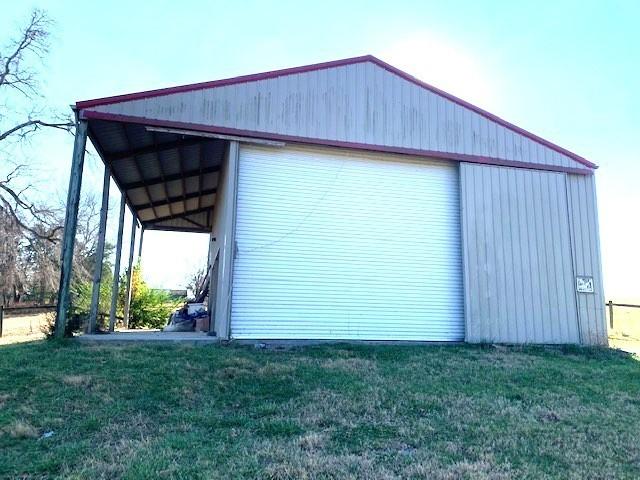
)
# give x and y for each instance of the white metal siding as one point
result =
(586, 246)
(519, 275)
(337, 245)
(359, 103)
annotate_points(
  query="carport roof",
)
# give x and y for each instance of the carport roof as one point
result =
(169, 179)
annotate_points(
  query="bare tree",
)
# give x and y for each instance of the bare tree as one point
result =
(196, 279)
(21, 116)
(30, 263)
(30, 231)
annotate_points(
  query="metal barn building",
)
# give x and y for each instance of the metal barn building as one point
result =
(349, 200)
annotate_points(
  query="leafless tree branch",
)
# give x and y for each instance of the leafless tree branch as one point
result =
(33, 39)
(31, 126)
(51, 236)
(16, 73)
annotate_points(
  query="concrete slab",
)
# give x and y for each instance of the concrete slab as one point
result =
(151, 336)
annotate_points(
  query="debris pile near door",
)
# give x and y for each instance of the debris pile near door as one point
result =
(191, 317)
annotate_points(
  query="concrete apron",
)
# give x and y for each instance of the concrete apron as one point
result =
(149, 336)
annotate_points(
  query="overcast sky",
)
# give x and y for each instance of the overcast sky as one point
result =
(566, 70)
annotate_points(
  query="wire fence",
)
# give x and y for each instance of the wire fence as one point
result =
(23, 310)
(33, 309)
(611, 304)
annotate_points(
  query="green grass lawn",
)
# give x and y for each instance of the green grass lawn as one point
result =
(336, 411)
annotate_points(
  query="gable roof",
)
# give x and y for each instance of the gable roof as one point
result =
(104, 107)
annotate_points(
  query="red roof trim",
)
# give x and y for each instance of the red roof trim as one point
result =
(460, 157)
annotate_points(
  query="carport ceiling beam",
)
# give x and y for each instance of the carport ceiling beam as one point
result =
(184, 183)
(139, 172)
(170, 178)
(179, 198)
(159, 147)
(151, 226)
(162, 175)
(180, 216)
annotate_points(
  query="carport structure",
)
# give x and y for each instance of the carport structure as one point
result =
(167, 178)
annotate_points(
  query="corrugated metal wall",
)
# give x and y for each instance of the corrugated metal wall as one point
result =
(585, 236)
(526, 235)
(360, 103)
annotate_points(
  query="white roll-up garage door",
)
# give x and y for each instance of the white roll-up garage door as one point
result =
(332, 244)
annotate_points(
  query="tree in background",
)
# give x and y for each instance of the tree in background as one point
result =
(82, 290)
(30, 265)
(195, 280)
(12, 278)
(149, 308)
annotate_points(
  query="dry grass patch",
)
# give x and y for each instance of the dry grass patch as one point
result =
(351, 364)
(22, 429)
(283, 461)
(77, 380)
(272, 368)
(230, 373)
(312, 441)
(236, 367)
(485, 468)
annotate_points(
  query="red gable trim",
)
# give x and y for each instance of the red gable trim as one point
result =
(460, 157)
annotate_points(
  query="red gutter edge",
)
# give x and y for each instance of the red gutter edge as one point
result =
(460, 157)
(332, 64)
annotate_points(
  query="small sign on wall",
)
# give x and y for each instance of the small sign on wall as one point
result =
(584, 284)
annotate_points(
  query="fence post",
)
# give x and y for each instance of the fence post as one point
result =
(611, 314)
(1, 319)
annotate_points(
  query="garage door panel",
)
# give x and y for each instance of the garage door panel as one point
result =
(346, 246)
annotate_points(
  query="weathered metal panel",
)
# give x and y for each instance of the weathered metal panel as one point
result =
(517, 249)
(360, 103)
(586, 242)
